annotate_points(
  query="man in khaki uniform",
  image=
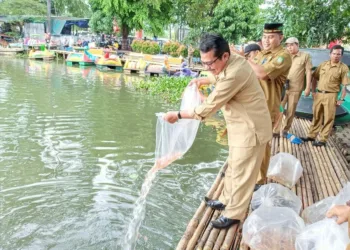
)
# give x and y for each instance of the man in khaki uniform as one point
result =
(301, 64)
(238, 93)
(330, 74)
(271, 66)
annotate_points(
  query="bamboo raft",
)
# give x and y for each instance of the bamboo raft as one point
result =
(326, 171)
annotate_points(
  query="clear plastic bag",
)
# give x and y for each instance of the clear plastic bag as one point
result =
(275, 195)
(270, 228)
(323, 235)
(343, 196)
(317, 211)
(285, 169)
(173, 140)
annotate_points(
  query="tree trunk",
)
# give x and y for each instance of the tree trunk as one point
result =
(48, 28)
(125, 40)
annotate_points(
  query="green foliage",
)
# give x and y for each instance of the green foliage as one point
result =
(137, 45)
(168, 88)
(147, 47)
(196, 53)
(236, 20)
(76, 8)
(20, 7)
(313, 22)
(182, 51)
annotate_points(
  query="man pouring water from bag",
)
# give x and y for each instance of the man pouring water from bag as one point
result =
(238, 94)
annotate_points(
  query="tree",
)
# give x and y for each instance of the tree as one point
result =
(151, 15)
(236, 20)
(20, 7)
(198, 17)
(18, 11)
(76, 8)
(313, 22)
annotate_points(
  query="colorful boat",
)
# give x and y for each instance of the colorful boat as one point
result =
(80, 59)
(304, 108)
(131, 66)
(109, 64)
(41, 54)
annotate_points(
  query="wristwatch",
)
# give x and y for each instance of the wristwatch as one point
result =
(179, 115)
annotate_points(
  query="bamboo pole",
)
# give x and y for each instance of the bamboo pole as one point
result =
(209, 236)
(193, 224)
(204, 221)
(323, 172)
(230, 236)
(309, 178)
(220, 239)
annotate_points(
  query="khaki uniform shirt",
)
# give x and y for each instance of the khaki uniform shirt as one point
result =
(301, 62)
(238, 93)
(330, 76)
(276, 64)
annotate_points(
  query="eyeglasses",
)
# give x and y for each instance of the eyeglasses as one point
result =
(210, 63)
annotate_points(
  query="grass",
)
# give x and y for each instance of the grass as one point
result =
(168, 88)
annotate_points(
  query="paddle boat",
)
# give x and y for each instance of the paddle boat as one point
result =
(109, 63)
(42, 54)
(81, 59)
(304, 108)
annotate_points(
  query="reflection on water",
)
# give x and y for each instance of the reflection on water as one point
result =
(75, 147)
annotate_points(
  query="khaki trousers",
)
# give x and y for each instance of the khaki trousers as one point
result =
(323, 108)
(264, 165)
(291, 99)
(240, 178)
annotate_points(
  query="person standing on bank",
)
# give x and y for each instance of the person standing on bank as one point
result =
(330, 75)
(301, 64)
(238, 93)
(271, 66)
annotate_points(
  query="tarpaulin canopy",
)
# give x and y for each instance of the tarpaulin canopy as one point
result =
(64, 24)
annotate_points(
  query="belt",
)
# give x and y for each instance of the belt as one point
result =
(326, 92)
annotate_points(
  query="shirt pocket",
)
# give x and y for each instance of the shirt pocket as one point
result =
(336, 77)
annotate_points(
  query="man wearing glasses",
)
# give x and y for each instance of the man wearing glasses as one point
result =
(239, 95)
(271, 66)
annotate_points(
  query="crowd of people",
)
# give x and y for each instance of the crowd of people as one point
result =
(248, 90)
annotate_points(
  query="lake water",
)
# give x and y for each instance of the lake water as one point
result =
(75, 147)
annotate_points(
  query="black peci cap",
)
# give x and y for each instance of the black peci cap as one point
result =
(273, 28)
(251, 47)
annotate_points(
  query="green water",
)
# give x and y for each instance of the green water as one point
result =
(75, 146)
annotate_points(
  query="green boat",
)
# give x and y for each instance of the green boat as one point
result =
(78, 59)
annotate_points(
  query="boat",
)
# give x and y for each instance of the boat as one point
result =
(42, 54)
(109, 64)
(80, 59)
(304, 108)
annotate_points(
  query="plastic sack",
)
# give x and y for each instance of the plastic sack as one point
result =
(270, 228)
(275, 195)
(173, 140)
(285, 169)
(317, 211)
(323, 235)
(343, 196)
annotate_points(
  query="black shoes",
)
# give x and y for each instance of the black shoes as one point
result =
(223, 222)
(319, 144)
(215, 204)
(257, 186)
(305, 139)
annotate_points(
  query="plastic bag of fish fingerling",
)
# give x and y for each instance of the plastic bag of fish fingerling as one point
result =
(285, 168)
(275, 195)
(322, 235)
(270, 228)
(174, 140)
(343, 196)
(317, 211)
